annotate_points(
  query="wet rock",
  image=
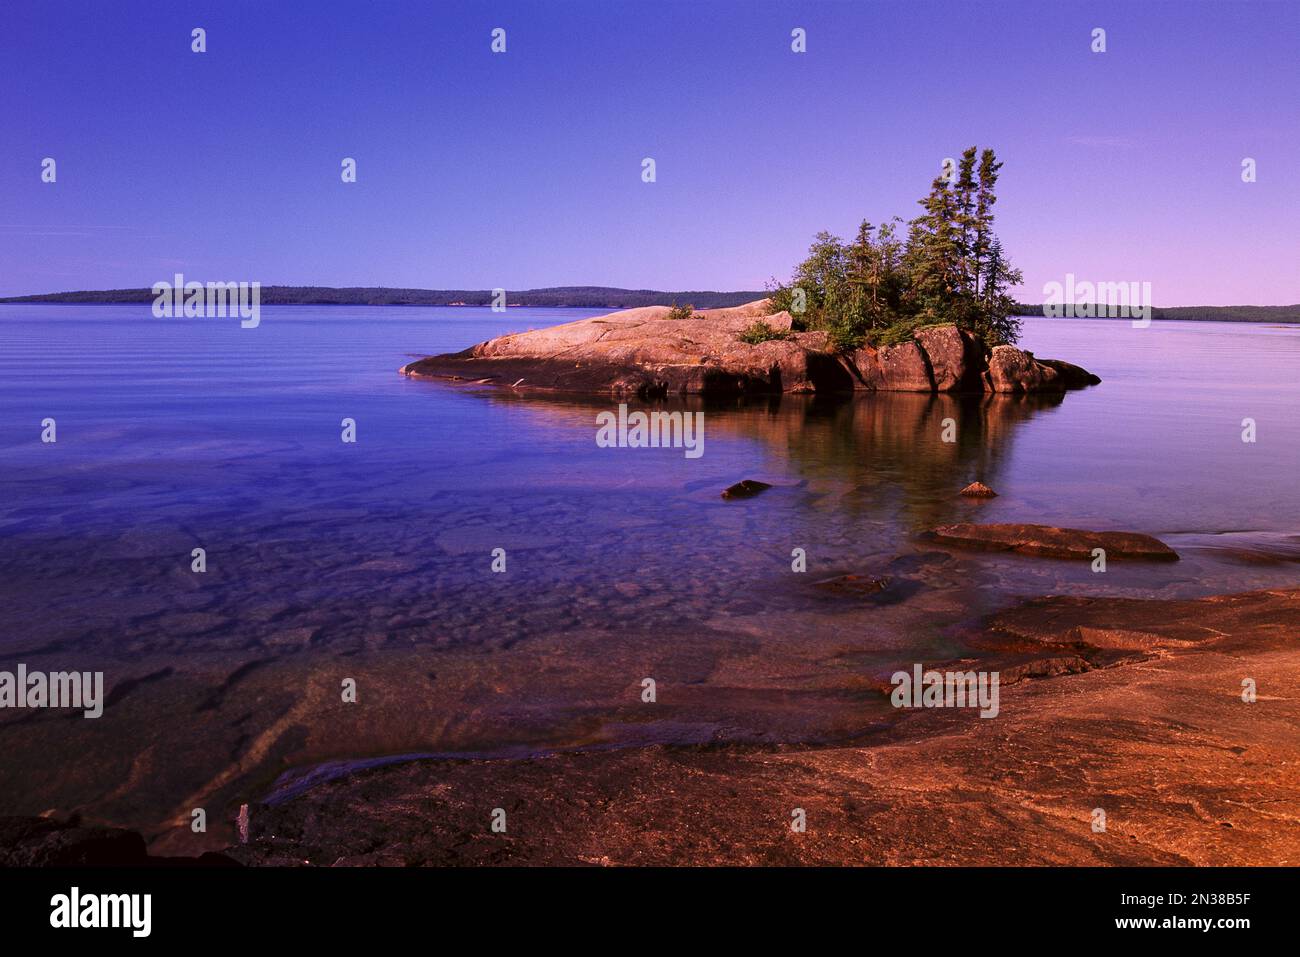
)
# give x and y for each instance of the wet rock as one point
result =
(1053, 542)
(1018, 788)
(978, 490)
(1259, 620)
(884, 590)
(853, 584)
(746, 488)
(292, 637)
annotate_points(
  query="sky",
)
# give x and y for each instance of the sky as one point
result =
(478, 170)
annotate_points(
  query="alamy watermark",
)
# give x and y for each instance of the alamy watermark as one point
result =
(74, 909)
(55, 689)
(950, 689)
(1103, 300)
(651, 430)
(195, 300)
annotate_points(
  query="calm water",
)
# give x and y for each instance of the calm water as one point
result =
(372, 561)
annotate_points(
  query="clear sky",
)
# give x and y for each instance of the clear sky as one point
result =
(523, 169)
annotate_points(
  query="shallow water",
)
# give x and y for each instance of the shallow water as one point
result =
(372, 560)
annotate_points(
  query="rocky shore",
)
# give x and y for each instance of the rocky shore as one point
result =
(1131, 707)
(1142, 717)
(643, 352)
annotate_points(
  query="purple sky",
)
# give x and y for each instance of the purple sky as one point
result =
(519, 170)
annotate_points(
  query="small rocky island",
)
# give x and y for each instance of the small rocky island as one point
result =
(922, 306)
(645, 353)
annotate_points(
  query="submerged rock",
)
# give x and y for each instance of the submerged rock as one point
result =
(644, 353)
(978, 490)
(854, 584)
(747, 488)
(1054, 542)
(883, 590)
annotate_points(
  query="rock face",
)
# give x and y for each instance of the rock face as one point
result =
(642, 352)
(1054, 542)
(954, 358)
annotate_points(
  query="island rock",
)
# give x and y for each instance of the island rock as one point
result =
(643, 352)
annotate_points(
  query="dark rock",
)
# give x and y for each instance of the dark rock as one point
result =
(46, 842)
(1073, 376)
(745, 489)
(876, 590)
(854, 584)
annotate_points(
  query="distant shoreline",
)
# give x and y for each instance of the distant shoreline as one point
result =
(1197, 313)
(571, 297)
(584, 297)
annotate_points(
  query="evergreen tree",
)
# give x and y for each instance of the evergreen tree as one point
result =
(933, 256)
(965, 190)
(982, 225)
(996, 322)
(951, 268)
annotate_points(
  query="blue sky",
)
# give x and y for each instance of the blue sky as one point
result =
(519, 170)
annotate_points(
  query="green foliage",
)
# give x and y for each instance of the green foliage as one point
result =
(760, 330)
(892, 335)
(879, 288)
(780, 298)
(681, 312)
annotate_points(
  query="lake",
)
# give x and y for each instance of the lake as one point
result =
(372, 561)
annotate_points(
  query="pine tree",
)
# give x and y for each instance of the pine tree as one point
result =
(950, 268)
(997, 323)
(982, 225)
(965, 189)
(934, 255)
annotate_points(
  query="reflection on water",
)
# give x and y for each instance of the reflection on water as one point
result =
(373, 562)
(906, 445)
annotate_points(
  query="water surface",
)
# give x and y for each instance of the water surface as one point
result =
(372, 561)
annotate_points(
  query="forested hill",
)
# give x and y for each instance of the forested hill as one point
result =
(1209, 313)
(593, 297)
(589, 297)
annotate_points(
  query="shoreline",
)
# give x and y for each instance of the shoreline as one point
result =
(1186, 772)
(1131, 707)
(1290, 314)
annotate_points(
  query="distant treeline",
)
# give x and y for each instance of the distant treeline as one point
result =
(1206, 313)
(589, 297)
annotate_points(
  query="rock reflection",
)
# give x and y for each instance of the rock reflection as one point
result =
(924, 447)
